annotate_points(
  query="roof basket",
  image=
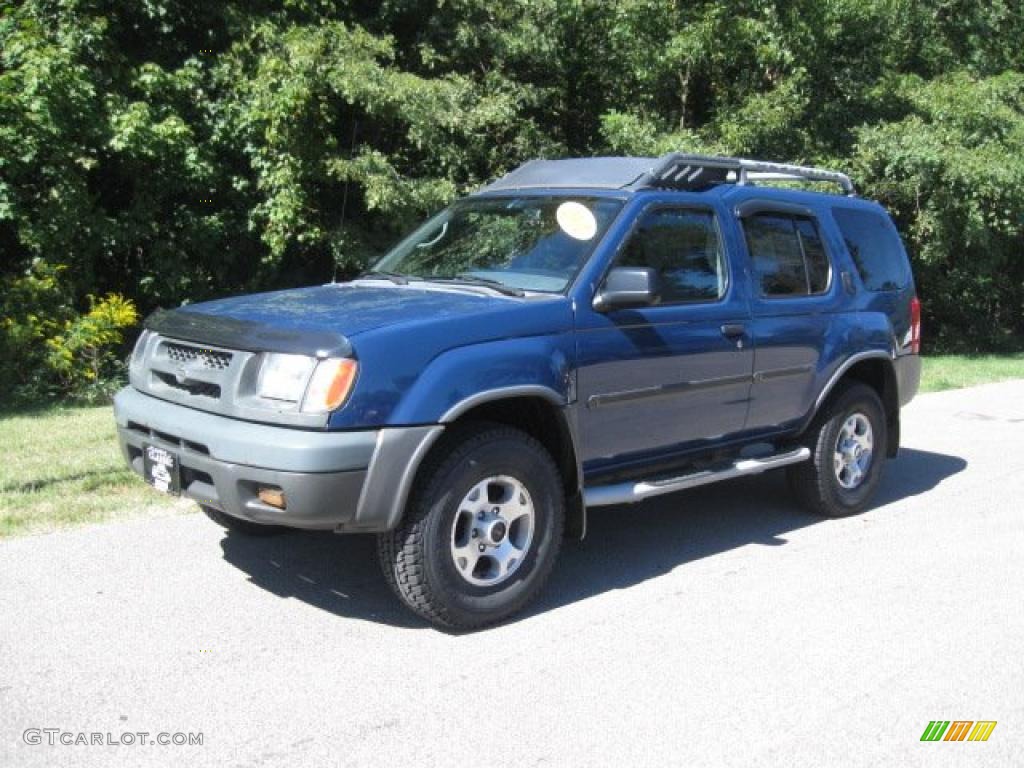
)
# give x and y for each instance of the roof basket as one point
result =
(681, 171)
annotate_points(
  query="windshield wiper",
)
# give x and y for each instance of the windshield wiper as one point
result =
(395, 277)
(466, 278)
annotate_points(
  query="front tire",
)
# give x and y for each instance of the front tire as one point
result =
(482, 529)
(848, 447)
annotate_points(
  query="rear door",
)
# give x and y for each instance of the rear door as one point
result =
(656, 379)
(794, 294)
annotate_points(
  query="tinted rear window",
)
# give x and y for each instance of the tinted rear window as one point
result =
(875, 247)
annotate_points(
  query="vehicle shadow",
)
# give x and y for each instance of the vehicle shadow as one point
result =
(624, 545)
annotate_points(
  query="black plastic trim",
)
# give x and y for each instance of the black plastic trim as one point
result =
(610, 398)
(246, 335)
(781, 373)
(756, 205)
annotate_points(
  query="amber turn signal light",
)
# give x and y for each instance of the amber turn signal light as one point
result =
(272, 497)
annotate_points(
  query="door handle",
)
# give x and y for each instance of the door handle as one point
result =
(733, 330)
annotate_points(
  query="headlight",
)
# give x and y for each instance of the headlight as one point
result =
(284, 377)
(320, 386)
(330, 386)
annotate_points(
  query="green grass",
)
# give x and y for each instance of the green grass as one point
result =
(61, 466)
(956, 371)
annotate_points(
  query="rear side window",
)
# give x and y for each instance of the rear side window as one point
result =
(788, 255)
(875, 247)
(683, 246)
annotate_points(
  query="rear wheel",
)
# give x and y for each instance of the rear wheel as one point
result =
(482, 529)
(238, 525)
(848, 447)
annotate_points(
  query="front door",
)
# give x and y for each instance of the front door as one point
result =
(658, 379)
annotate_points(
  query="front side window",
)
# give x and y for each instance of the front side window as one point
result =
(788, 255)
(532, 242)
(683, 247)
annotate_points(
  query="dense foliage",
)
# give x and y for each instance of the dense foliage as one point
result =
(173, 150)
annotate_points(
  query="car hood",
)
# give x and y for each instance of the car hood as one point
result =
(322, 320)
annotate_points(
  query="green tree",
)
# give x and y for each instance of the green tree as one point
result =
(173, 151)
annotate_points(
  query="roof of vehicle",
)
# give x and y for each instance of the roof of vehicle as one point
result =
(672, 171)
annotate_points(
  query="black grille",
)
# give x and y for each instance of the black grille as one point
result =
(212, 359)
(191, 386)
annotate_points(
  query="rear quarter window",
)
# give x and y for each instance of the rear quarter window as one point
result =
(875, 247)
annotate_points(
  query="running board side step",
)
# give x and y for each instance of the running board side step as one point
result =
(631, 492)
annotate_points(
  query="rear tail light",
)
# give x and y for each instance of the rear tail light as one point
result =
(915, 326)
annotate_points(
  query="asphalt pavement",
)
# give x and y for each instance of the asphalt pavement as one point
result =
(721, 626)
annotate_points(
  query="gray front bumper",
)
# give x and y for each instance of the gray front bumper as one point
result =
(343, 481)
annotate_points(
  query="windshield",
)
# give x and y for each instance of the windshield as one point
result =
(531, 243)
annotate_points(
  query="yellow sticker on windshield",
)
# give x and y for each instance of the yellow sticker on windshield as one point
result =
(576, 220)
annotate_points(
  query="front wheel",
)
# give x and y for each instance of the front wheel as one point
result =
(848, 446)
(482, 529)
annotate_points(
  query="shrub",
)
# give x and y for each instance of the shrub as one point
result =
(82, 355)
(47, 349)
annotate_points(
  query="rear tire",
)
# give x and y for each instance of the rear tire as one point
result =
(482, 529)
(848, 446)
(244, 527)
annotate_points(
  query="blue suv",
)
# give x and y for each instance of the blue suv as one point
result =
(579, 333)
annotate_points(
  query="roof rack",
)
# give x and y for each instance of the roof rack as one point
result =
(678, 170)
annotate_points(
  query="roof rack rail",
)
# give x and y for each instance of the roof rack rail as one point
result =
(678, 170)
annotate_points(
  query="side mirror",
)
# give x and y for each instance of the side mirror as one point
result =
(627, 287)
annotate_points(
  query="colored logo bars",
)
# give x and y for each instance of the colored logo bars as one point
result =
(958, 730)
